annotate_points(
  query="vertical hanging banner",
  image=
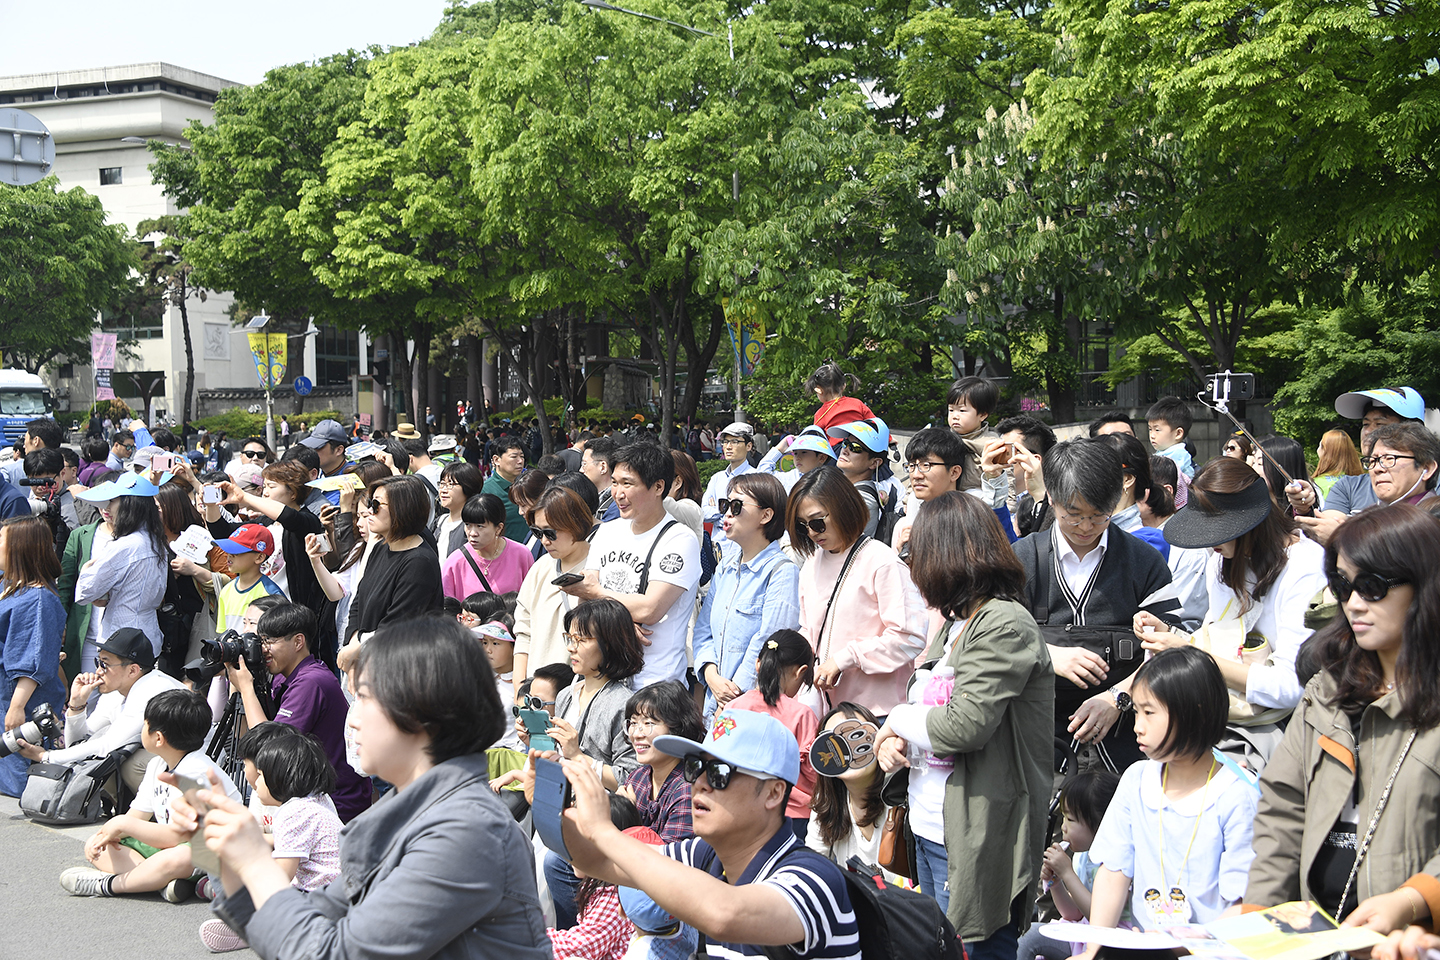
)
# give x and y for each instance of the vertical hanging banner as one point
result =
(270, 351)
(102, 360)
(747, 334)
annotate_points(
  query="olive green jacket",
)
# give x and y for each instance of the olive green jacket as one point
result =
(77, 615)
(1000, 727)
(1308, 781)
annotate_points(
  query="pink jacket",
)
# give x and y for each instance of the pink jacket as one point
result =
(876, 627)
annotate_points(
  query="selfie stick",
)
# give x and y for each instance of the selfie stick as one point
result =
(1220, 400)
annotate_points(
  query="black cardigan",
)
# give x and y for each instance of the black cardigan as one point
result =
(1129, 573)
(396, 586)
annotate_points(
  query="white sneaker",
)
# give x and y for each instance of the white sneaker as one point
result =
(219, 938)
(84, 882)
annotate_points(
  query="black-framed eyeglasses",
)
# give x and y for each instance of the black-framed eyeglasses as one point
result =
(1371, 586)
(923, 466)
(729, 505)
(544, 533)
(253, 454)
(817, 525)
(1386, 460)
(717, 772)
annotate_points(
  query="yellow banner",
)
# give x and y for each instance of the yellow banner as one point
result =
(270, 351)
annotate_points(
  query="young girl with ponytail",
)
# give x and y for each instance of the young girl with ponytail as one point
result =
(786, 663)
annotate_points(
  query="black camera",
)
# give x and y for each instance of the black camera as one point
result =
(43, 724)
(230, 648)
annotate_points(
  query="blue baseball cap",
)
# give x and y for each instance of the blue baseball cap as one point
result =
(872, 432)
(125, 485)
(1405, 401)
(755, 743)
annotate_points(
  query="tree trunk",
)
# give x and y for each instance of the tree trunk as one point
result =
(189, 366)
(400, 378)
(699, 358)
(473, 363)
(419, 384)
(1061, 387)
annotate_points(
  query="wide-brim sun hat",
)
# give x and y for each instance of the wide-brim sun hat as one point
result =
(1405, 401)
(814, 442)
(872, 432)
(1233, 516)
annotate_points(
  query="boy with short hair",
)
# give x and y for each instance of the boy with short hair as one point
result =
(1170, 422)
(248, 547)
(140, 852)
(970, 402)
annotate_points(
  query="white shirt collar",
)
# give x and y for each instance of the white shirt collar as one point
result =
(1065, 552)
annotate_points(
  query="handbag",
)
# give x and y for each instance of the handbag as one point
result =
(1230, 640)
(897, 842)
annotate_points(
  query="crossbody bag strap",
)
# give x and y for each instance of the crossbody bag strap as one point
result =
(476, 567)
(1044, 550)
(1364, 845)
(825, 619)
(645, 570)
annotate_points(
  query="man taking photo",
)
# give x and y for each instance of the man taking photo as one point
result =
(126, 679)
(307, 697)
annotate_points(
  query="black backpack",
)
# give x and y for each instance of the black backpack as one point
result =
(889, 509)
(894, 923)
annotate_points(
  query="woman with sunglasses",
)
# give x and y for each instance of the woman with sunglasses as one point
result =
(1238, 447)
(1260, 577)
(755, 591)
(858, 607)
(561, 521)
(1350, 803)
(402, 571)
(589, 724)
(488, 561)
(254, 451)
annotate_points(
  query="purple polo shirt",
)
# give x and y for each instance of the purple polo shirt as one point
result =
(311, 701)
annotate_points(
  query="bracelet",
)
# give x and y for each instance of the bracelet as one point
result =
(1414, 913)
(600, 773)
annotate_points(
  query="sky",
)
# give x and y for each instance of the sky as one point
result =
(231, 39)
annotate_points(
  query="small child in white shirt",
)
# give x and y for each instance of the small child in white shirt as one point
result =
(1170, 421)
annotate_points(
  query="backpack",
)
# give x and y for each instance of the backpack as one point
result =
(894, 923)
(65, 794)
(889, 512)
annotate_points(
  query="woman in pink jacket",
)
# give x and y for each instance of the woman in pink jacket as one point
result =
(858, 608)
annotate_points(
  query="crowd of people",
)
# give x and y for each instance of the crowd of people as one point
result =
(365, 654)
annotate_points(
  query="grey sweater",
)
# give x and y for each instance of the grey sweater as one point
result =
(602, 725)
(439, 869)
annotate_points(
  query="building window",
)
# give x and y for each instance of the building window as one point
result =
(109, 176)
(337, 355)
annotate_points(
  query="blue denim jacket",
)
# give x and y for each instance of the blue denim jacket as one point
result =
(746, 603)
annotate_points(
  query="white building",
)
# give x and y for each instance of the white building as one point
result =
(100, 120)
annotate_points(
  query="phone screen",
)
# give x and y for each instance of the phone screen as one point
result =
(552, 796)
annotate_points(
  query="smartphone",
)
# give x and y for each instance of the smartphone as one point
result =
(1004, 454)
(324, 542)
(552, 796)
(536, 723)
(162, 462)
(567, 579)
(213, 494)
(200, 855)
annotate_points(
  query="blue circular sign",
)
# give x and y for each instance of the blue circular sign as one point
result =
(303, 386)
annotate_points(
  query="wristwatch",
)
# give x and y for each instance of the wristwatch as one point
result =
(1123, 703)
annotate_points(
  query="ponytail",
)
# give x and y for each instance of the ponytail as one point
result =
(784, 648)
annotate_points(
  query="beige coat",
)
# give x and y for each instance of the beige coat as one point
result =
(1308, 781)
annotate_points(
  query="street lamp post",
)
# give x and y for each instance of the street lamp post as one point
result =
(737, 334)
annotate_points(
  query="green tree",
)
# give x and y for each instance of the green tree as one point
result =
(61, 265)
(166, 274)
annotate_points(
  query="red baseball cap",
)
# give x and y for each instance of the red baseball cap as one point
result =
(248, 538)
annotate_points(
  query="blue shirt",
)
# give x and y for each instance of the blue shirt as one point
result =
(32, 627)
(812, 883)
(13, 501)
(747, 602)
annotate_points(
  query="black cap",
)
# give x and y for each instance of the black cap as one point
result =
(131, 644)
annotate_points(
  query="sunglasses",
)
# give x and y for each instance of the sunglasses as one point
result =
(375, 505)
(732, 507)
(817, 525)
(253, 454)
(855, 446)
(529, 702)
(544, 533)
(717, 772)
(1371, 586)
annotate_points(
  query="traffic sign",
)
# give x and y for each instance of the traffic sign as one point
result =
(27, 151)
(303, 386)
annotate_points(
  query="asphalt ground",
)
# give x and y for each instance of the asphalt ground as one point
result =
(40, 921)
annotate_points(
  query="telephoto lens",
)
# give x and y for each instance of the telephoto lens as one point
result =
(44, 724)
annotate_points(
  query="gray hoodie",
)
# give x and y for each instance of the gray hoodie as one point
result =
(439, 869)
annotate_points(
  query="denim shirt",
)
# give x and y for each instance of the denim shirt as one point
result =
(747, 602)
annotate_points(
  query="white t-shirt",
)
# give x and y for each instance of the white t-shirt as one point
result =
(618, 555)
(263, 812)
(115, 722)
(308, 829)
(155, 797)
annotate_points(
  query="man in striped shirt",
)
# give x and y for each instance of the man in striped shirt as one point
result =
(744, 880)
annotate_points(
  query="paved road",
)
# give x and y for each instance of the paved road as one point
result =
(39, 920)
